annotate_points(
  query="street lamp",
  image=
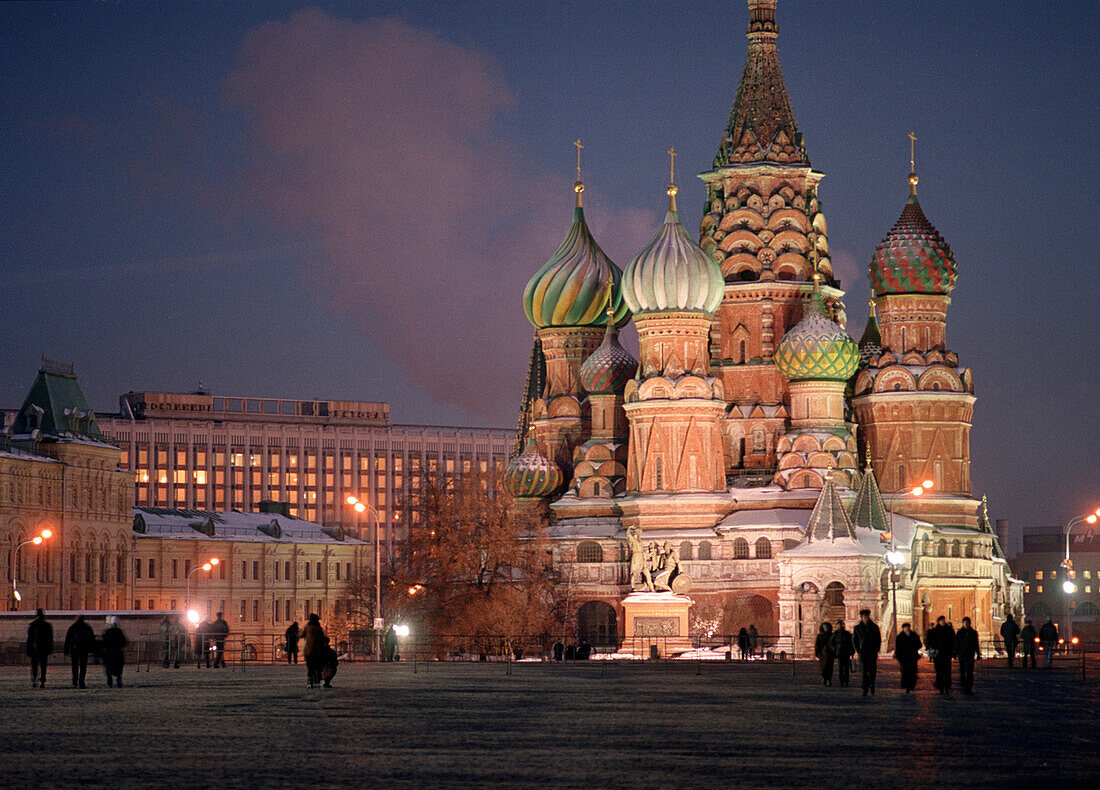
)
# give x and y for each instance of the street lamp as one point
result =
(378, 623)
(192, 615)
(1068, 586)
(894, 558)
(37, 540)
(915, 491)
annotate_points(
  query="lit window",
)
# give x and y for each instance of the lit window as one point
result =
(1088, 588)
(1038, 588)
(1038, 575)
(1088, 574)
(200, 476)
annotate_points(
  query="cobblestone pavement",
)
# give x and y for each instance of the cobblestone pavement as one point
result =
(594, 724)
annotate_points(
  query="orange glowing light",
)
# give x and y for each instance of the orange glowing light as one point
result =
(46, 534)
(37, 540)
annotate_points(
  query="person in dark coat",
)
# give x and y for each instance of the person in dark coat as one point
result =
(843, 648)
(744, 644)
(967, 650)
(868, 641)
(39, 647)
(389, 645)
(823, 650)
(79, 641)
(907, 652)
(1048, 638)
(314, 647)
(559, 650)
(202, 644)
(754, 641)
(1028, 637)
(114, 659)
(292, 643)
(329, 662)
(940, 642)
(584, 650)
(1010, 633)
(219, 631)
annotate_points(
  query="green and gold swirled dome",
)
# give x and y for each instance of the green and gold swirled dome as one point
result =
(571, 288)
(816, 348)
(672, 273)
(913, 258)
(609, 367)
(531, 474)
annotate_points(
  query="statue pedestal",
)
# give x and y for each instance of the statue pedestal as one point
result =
(655, 621)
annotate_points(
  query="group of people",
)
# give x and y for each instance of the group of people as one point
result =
(321, 658)
(1027, 639)
(209, 642)
(748, 642)
(943, 643)
(80, 643)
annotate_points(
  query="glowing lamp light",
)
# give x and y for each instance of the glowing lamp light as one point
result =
(353, 500)
(917, 491)
(214, 560)
(46, 534)
(895, 558)
(1069, 587)
(37, 541)
(401, 630)
(18, 597)
(1061, 641)
(193, 616)
(927, 484)
(1036, 640)
(1074, 641)
(207, 566)
(1091, 518)
(360, 507)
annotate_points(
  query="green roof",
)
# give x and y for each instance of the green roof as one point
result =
(56, 406)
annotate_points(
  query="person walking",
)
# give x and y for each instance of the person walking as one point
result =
(868, 641)
(202, 644)
(389, 645)
(292, 643)
(907, 652)
(1028, 638)
(743, 644)
(754, 641)
(843, 649)
(315, 642)
(329, 662)
(165, 631)
(1048, 639)
(39, 647)
(219, 631)
(1010, 633)
(824, 652)
(79, 641)
(114, 659)
(967, 650)
(177, 636)
(941, 647)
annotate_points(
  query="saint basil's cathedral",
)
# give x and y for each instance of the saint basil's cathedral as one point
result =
(779, 461)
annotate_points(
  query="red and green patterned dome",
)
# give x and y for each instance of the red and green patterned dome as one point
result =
(913, 258)
(609, 367)
(816, 348)
(531, 474)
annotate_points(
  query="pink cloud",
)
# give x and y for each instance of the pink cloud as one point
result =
(383, 140)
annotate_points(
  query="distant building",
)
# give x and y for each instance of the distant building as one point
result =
(208, 452)
(58, 473)
(272, 569)
(1039, 565)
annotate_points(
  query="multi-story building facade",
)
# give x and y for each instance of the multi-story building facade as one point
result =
(1039, 565)
(207, 452)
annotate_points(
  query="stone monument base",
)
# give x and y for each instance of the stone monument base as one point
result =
(656, 624)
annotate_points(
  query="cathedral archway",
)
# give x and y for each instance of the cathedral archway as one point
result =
(597, 623)
(745, 609)
(834, 602)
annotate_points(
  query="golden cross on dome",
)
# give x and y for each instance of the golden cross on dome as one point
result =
(579, 147)
(912, 146)
(672, 165)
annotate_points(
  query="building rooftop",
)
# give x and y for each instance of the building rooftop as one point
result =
(233, 525)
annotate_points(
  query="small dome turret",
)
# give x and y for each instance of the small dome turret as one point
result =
(531, 474)
(609, 367)
(913, 258)
(816, 348)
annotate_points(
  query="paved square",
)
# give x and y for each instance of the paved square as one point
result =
(637, 725)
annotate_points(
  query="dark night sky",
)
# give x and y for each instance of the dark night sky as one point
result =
(345, 200)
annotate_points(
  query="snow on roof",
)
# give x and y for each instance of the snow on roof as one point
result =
(23, 455)
(586, 527)
(770, 517)
(183, 524)
(865, 544)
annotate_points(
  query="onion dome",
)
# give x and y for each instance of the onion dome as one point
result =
(531, 474)
(816, 348)
(609, 367)
(673, 272)
(913, 258)
(571, 288)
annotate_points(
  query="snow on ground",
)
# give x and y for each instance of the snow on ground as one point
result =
(629, 724)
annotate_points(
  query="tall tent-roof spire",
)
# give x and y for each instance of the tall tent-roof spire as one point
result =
(868, 510)
(829, 519)
(761, 125)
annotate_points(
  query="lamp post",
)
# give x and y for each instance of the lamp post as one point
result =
(1069, 587)
(895, 558)
(206, 566)
(37, 540)
(359, 508)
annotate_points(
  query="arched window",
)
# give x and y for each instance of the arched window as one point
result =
(834, 594)
(901, 477)
(758, 444)
(741, 356)
(685, 550)
(969, 549)
(1085, 609)
(956, 548)
(740, 549)
(763, 549)
(589, 551)
(704, 550)
(941, 548)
